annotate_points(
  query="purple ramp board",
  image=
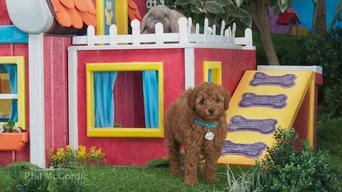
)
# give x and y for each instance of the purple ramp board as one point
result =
(254, 100)
(239, 123)
(249, 150)
(285, 81)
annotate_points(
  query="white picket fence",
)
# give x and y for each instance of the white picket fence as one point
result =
(184, 37)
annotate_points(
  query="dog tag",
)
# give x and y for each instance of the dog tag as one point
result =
(209, 136)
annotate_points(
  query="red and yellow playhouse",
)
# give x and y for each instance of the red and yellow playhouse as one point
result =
(109, 88)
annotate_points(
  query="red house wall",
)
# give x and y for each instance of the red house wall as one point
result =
(56, 95)
(140, 151)
(4, 18)
(128, 99)
(56, 91)
(16, 50)
(234, 64)
(6, 157)
(130, 151)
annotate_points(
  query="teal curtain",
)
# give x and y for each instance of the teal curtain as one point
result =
(210, 75)
(104, 99)
(151, 98)
(13, 79)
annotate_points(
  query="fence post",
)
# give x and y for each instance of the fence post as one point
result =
(91, 35)
(248, 37)
(135, 24)
(183, 38)
(113, 32)
(159, 33)
(205, 29)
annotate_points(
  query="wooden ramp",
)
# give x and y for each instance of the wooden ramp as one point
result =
(265, 101)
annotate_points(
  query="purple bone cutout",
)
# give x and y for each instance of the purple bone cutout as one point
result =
(286, 81)
(249, 150)
(252, 100)
(239, 123)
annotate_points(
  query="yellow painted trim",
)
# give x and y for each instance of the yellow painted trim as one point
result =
(121, 16)
(216, 67)
(20, 62)
(99, 17)
(123, 132)
(311, 119)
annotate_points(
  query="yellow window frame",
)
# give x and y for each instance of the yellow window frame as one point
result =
(20, 62)
(216, 68)
(121, 16)
(123, 132)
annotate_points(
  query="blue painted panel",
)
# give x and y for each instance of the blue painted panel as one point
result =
(304, 9)
(11, 34)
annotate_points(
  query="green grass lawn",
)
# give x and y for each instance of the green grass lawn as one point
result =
(114, 178)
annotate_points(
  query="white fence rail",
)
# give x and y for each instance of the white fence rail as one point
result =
(226, 37)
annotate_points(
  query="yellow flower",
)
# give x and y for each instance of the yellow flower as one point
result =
(60, 153)
(82, 152)
(68, 148)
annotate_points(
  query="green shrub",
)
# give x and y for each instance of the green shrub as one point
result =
(327, 54)
(29, 178)
(28, 181)
(287, 169)
(313, 50)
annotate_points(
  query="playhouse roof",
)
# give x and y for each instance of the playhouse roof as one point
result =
(74, 12)
(288, 17)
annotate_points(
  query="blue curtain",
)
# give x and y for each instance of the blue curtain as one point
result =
(13, 79)
(150, 92)
(210, 75)
(104, 98)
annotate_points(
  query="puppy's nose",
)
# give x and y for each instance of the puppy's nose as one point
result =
(211, 111)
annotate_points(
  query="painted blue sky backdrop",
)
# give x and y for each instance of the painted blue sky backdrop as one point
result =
(304, 9)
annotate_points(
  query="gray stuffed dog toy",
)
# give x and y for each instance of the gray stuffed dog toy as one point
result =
(161, 14)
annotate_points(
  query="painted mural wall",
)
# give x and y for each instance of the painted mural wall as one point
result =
(305, 10)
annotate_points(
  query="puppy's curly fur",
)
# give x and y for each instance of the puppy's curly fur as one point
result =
(207, 102)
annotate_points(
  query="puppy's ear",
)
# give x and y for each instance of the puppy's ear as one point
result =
(173, 18)
(191, 98)
(226, 98)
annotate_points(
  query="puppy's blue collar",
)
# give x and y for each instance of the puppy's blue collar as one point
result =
(206, 125)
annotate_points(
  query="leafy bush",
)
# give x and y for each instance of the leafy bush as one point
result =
(327, 53)
(68, 157)
(28, 181)
(214, 11)
(287, 169)
(319, 51)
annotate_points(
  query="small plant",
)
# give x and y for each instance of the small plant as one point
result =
(10, 127)
(29, 178)
(246, 181)
(23, 182)
(287, 169)
(68, 157)
(117, 125)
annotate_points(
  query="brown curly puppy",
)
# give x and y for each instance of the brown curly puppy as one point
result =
(197, 121)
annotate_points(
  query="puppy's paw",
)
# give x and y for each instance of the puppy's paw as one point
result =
(190, 181)
(175, 173)
(212, 179)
